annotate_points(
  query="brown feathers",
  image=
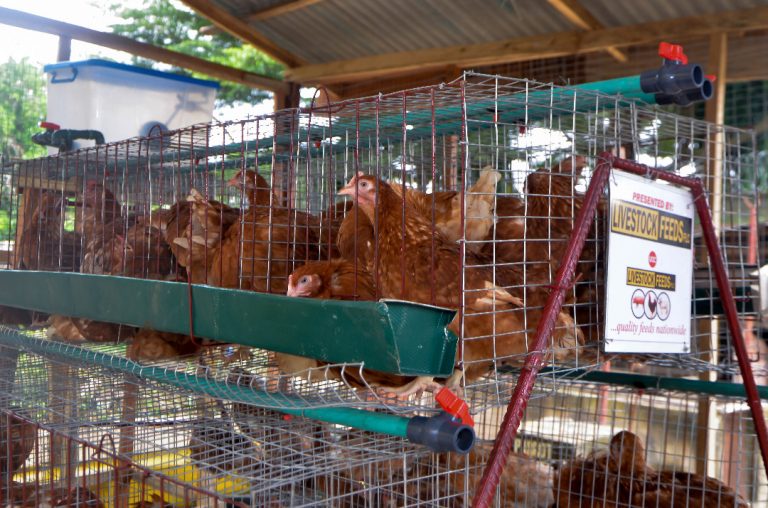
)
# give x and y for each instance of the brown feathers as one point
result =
(336, 279)
(621, 477)
(418, 266)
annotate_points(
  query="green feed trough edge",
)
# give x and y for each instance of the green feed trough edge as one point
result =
(390, 336)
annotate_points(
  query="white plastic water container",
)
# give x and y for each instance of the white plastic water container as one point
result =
(124, 101)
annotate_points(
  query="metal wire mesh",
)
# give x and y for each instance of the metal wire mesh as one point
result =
(193, 445)
(573, 428)
(127, 208)
(123, 437)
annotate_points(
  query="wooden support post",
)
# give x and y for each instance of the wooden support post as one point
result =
(63, 395)
(65, 48)
(709, 339)
(290, 98)
(715, 113)
(28, 200)
(451, 163)
(283, 127)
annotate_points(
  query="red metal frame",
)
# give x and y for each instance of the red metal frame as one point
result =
(512, 418)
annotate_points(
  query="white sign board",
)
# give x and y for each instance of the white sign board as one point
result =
(650, 267)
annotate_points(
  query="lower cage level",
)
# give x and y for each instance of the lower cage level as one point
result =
(75, 434)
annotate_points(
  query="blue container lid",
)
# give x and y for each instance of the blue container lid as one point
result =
(97, 62)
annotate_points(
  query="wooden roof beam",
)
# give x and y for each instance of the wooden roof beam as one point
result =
(280, 9)
(530, 48)
(396, 83)
(264, 14)
(577, 14)
(120, 43)
(242, 30)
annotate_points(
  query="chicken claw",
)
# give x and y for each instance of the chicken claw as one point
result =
(418, 385)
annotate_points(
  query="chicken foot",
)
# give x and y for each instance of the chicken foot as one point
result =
(418, 385)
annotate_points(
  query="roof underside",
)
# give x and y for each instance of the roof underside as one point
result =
(328, 31)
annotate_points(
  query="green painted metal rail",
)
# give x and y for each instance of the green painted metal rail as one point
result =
(389, 336)
(645, 382)
(540, 102)
(372, 421)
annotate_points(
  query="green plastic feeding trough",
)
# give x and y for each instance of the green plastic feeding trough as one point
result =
(389, 336)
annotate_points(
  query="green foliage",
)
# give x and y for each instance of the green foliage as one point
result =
(171, 25)
(7, 225)
(22, 107)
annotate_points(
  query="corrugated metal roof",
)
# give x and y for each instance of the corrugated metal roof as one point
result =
(345, 29)
(244, 7)
(628, 12)
(330, 30)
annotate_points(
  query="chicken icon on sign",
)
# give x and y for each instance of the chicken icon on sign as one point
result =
(651, 301)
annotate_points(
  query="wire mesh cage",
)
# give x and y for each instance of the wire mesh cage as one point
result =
(494, 171)
(624, 446)
(97, 436)
(129, 440)
(461, 196)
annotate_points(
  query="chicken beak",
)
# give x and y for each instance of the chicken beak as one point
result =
(292, 291)
(235, 181)
(348, 190)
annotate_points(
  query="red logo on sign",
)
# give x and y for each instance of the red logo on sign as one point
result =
(652, 259)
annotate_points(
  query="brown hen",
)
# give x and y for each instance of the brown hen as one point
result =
(524, 482)
(18, 438)
(537, 230)
(105, 254)
(97, 209)
(152, 345)
(621, 477)
(338, 279)
(43, 243)
(255, 187)
(415, 265)
(193, 229)
(259, 253)
(355, 238)
(145, 253)
(444, 209)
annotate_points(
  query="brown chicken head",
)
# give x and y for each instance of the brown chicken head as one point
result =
(255, 186)
(362, 188)
(252, 180)
(97, 196)
(627, 453)
(303, 284)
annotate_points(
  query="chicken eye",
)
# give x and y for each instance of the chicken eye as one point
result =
(304, 280)
(363, 184)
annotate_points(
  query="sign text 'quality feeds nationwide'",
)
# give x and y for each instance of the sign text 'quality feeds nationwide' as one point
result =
(650, 267)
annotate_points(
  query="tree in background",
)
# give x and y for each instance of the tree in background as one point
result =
(172, 25)
(22, 107)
